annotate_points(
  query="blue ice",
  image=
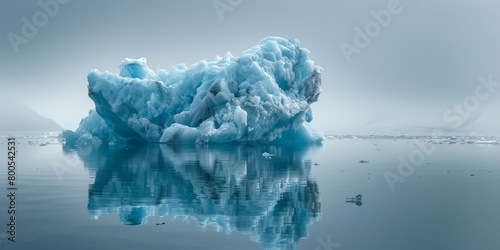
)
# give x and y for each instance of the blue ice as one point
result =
(263, 96)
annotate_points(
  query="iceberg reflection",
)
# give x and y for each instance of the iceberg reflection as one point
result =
(228, 187)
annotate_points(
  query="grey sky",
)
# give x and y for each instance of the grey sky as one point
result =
(426, 59)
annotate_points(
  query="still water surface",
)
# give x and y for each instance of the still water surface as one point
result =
(232, 197)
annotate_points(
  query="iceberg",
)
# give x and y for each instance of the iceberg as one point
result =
(263, 96)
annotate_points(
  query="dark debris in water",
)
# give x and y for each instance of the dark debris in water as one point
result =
(356, 200)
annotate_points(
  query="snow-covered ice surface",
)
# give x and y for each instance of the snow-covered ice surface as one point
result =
(262, 96)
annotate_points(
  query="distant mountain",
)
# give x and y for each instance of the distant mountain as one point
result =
(16, 116)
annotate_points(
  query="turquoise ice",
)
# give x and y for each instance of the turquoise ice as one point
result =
(263, 96)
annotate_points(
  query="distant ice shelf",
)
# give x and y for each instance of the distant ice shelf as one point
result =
(431, 139)
(263, 96)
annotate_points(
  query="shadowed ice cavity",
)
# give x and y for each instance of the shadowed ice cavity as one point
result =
(225, 187)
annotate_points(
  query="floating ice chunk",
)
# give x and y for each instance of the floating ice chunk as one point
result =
(263, 96)
(267, 155)
(487, 142)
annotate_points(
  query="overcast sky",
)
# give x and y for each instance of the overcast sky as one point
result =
(411, 72)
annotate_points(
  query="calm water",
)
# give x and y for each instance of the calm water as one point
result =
(232, 197)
